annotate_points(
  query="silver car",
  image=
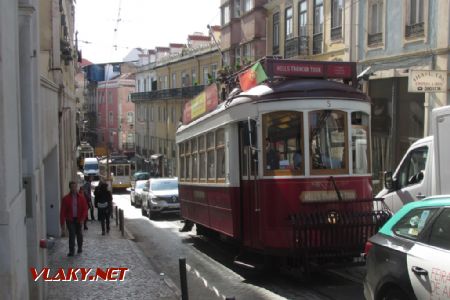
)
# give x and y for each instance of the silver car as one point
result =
(162, 197)
(138, 193)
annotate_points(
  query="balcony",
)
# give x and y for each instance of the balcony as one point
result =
(414, 30)
(375, 38)
(296, 46)
(128, 146)
(336, 33)
(318, 43)
(185, 92)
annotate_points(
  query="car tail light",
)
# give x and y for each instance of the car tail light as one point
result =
(367, 248)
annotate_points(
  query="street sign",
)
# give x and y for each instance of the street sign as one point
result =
(426, 81)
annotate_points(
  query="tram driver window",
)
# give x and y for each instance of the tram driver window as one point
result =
(328, 146)
(283, 150)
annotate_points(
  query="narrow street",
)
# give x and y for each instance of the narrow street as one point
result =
(211, 274)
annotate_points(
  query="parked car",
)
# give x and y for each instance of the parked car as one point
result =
(137, 193)
(409, 258)
(162, 197)
(139, 175)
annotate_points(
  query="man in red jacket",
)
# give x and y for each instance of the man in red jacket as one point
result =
(74, 211)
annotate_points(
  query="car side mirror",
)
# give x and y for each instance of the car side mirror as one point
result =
(389, 181)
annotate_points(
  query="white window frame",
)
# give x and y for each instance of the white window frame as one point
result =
(248, 6)
(289, 23)
(381, 21)
(225, 14)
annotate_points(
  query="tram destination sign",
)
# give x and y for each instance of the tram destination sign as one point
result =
(425, 81)
(311, 69)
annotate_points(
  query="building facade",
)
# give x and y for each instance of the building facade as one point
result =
(38, 114)
(395, 38)
(170, 79)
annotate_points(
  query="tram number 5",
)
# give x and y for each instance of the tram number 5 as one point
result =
(328, 103)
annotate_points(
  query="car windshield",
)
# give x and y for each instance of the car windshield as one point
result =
(91, 167)
(140, 185)
(141, 176)
(164, 185)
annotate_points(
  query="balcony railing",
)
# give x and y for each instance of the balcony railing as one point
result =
(275, 50)
(417, 29)
(318, 43)
(375, 38)
(185, 92)
(296, 46)
(128, 146)
(336, 33)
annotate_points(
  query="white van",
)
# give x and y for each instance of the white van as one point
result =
(90, 167)
(425, 169)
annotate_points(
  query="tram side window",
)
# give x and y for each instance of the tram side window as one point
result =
(327, 131)
(202, 157)
(194, 155)
(181, 168)
(283, 151)
(120, 170)
(220, 151)
(360, 143)
(187, 156)
(210, 156)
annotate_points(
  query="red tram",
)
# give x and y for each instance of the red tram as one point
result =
(280, 166)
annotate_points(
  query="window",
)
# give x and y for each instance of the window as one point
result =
(318, 27)
(187, 155)
(440, 232)
(283, 151)
(412, 224)
(174, 80)
(130, 117)
(360, 140)
(276, 33)
(202, 157)
(336, 19)
(111, 119)
(237, 55)
(225, 14)
(327, 132)
(302, 18)
(415, 18)
(220, 152)
(237, 8)
(194, 77)
(226, 58)
(205, 75)
(110, 98)
(248, 5)
(194, 154)
(375, 22)
(210, 159)
(214, 71)
(411, 169)
(247, 52)
(181, 155)
(289, 23)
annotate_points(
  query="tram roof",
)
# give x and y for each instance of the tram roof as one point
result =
(287, 89)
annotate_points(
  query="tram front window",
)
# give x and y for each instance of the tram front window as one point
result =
(328, 147)
(283, 151)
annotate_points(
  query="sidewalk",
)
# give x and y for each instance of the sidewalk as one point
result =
(108, 251)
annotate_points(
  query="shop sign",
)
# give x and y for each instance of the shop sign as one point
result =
(424, 81)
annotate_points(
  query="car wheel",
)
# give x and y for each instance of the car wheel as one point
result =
(394, 293)
(143, 211)
(131, 201)
(151, 214)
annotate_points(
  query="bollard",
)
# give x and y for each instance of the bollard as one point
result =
(121, 222)
(117, 216)
(183, 279)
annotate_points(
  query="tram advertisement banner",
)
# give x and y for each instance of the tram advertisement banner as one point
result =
(204, 102)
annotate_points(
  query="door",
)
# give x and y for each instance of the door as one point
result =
(411, 181)
(250, 216)
(429, 262)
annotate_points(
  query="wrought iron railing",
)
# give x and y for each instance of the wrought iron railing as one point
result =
(336, 33)
(417, 29)
(318, 43)
(185, 92)
(296, 46)
(375, 38)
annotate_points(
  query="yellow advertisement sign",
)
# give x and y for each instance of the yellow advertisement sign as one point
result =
(198, 105)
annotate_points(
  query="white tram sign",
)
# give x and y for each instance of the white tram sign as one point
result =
(426, 81)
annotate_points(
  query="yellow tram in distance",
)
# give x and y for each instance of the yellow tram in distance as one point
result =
(119, 169)
(84, 150)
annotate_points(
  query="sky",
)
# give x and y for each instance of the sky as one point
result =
(142, 23)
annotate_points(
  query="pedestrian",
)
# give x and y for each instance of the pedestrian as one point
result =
(73, 213)
(87, 187)
(103, 203)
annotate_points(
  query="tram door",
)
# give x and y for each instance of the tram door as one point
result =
(250, 213)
